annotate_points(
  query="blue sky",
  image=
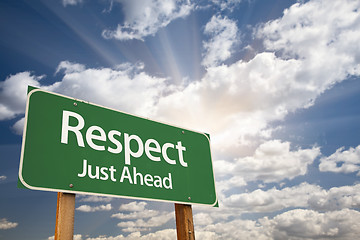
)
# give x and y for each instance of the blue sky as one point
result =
(275, 83)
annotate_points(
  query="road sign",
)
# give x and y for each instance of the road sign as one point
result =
(74, 146)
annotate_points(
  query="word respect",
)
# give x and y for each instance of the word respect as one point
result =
(150, 147)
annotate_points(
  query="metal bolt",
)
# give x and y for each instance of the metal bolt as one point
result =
(189, 198)
(71, 185)
(75, 104)
(189, 232)
(183, 132)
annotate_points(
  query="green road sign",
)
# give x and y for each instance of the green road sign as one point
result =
(78, 147)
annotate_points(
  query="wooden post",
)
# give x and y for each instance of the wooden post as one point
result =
(65, 211)
(184, 222)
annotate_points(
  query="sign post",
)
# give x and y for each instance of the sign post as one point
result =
(65, 211)
(184, 222)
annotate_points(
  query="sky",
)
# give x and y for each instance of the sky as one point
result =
(275, 83)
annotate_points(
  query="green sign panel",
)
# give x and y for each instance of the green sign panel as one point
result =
(78, 147)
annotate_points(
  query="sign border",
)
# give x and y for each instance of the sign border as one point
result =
(34, 90)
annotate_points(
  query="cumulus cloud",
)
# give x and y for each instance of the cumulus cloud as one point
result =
(18, 127)
(273, 199)
(272, 161)
(317, 33)
(236, 103)
(146, 213)
(294, 225)
(13, 93)
(69, 67)
(5, 224)
(71, 2)
(87, 208)
(231, 183)
(302, 196)
(75, 237)
(342, 161)
(202, 219)
(335, 198)
(146, 224)
(92, 198)
(144, 18)
(109, 87)
(223, 34)
(141, 219)
(309, 224)
(227, 4)
(166, 234)
(291, 225)
(235, 229)
(133, 206)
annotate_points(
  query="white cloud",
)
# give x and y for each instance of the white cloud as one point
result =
(142, 219)
(71, 2)
(87, 208)
(342, 161)
(69, 67)
(144, 225)
(302, 196)
(75, 237)
(305, 195)
(133, 206)
(146, 213)
(273, 199)
(92, 198)
(5, 224)
(272, 161)
(126, 88)
(18, 127)
(202, 219)
(224, 36)
(292, 225)
(235, 230)
(2, 178)
(236, 103)
(227, 4)
(166, 234)
(144, 18)
(321, 35)
(309, 224)
(231, 183)
(13, 93)
(335, 198)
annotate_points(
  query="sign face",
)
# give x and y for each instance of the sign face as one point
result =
(74, 146)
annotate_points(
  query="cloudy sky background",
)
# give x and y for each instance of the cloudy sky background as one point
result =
(275, 83)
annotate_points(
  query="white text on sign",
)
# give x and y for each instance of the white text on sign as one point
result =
(151, 145)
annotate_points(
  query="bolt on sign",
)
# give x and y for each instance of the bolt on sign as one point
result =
(78, 147)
